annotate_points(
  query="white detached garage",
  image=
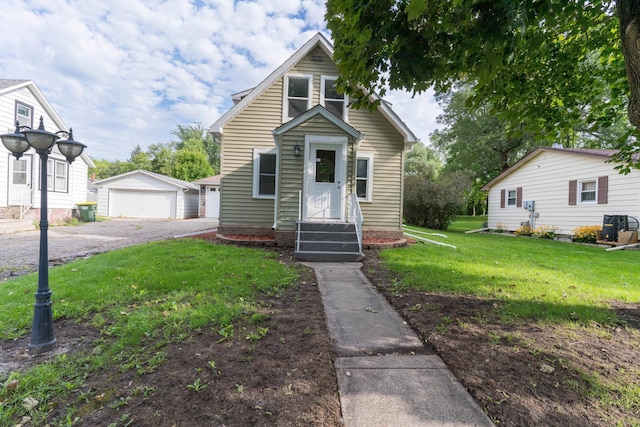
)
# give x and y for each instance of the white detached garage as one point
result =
(144, 194)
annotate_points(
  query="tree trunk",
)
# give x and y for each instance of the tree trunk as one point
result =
(629, 16)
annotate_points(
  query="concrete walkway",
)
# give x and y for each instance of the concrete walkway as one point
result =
(386, 376)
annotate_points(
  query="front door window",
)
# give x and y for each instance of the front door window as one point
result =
(326, 166)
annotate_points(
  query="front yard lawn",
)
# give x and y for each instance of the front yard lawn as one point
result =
(541, 332)
(180, 332)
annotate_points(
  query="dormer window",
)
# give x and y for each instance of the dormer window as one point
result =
(298, 95)
(333, 101)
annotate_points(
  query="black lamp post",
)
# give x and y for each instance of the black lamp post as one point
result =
(42, 334)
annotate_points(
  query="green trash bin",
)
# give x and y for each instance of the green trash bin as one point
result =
(87, 211)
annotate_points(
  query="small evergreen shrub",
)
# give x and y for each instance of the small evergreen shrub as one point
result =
(586, 233)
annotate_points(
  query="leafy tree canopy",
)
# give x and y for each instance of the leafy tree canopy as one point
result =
(554, 62)
(195, 155)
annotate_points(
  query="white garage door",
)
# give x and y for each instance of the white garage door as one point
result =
(142, 204)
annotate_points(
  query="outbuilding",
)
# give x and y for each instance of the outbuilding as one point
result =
(209, 196)
(144, 194)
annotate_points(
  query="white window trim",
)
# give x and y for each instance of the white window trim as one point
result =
(256, 172)
(51, 171)
(28, 107)
(579, 191)
(515, 199)
(369, 158)
(345, 110)
(285, 94)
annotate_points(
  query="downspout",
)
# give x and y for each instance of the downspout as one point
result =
(278, 141)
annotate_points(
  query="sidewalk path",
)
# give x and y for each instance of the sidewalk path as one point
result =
(386, 376)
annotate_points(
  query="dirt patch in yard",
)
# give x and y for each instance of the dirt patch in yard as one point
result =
(521, 374)
(526, 374)
(284, 378)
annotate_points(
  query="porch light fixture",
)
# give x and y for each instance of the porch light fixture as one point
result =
(22, 139)
(296, 150)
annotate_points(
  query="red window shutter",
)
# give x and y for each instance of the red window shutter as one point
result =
(503, 197)
(573, 192)
(519, 197)
(603, 190)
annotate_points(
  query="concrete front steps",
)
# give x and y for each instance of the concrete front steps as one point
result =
(327, 242)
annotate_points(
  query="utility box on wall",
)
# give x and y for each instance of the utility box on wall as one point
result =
(529, 205)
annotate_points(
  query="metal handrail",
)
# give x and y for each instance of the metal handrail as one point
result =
(355, 216)
(26, 201)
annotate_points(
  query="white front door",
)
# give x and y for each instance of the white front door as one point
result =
(325, 179)
(212, 204)
(20, 180)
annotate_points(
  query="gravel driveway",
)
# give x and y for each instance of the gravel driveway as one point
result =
(19, 251)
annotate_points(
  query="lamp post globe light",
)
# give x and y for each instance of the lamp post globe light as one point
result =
(22, 139)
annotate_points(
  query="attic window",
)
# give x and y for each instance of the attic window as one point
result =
(331, 99)
(24, 114)
(298, 95)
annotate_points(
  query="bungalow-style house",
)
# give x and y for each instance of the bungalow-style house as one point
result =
(300, 165)
(20, 182)
(564, 188)
(144, 194)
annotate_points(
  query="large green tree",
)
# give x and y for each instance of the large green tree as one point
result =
(196, 138)
(472, 139)
(554, 62)
(195, 155)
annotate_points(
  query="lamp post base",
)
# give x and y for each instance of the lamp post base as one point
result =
(42, 334)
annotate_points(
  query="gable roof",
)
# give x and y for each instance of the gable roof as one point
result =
(604, 154)
(246, 97)
(10, 85)
(173, 181)
(315, 111)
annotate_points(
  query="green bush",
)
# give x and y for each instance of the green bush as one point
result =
(434, 202)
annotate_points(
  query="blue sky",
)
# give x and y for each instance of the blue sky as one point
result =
(127, 72)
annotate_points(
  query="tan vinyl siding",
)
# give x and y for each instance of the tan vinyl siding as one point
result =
(386, 144)
(307, 65)
(252, 129)
(248, 130)
(545, 180)
(292, 168)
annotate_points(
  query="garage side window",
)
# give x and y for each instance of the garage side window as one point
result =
(264, 174)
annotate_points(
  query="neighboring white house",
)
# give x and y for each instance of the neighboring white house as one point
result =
(144, 194)
(570, 187)
(209, 196)
(20, 183)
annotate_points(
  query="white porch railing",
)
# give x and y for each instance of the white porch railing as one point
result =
(355, 216)
(26, 201)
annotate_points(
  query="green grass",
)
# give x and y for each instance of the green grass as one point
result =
(140, 299)
(530, 278)
(467, 223)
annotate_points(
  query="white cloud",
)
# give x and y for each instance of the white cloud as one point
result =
(127, 72)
